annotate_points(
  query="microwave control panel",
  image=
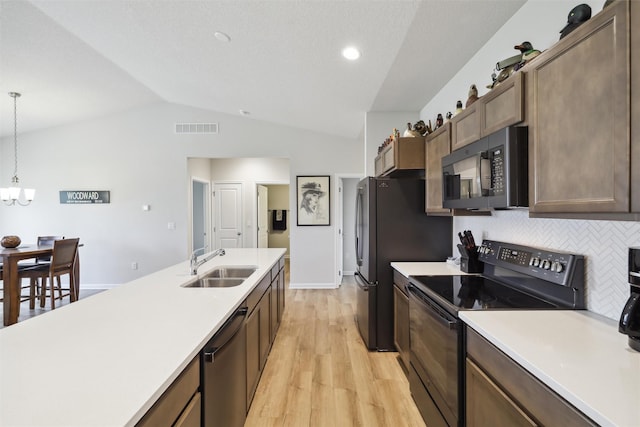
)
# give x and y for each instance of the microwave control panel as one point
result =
(497, 171)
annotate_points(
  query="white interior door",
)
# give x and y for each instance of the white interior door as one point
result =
(228, 208)
(263, 217)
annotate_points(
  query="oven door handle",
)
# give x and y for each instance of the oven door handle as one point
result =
(432, 309)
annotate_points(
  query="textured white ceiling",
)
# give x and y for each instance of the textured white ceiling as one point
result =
(75, 60)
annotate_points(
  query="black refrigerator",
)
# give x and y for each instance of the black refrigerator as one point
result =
(391, 226)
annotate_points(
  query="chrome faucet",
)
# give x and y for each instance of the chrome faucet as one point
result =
(195, 263)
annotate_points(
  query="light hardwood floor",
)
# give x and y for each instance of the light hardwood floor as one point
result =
(319, 372)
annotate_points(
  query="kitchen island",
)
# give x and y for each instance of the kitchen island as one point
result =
(105, 360)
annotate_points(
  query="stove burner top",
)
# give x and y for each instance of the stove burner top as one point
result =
(477, 293)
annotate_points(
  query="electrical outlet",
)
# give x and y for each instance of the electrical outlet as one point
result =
(134, 265)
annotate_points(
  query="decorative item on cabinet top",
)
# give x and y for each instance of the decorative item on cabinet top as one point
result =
(458, 108)
(410, 132)
(395, 136)
(473, 95)
(507, 67)
(420, 129)
(578, 15)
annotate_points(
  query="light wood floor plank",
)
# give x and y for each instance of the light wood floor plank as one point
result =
(319, 373)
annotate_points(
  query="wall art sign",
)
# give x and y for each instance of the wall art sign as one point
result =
(83, 197)
(313, 198)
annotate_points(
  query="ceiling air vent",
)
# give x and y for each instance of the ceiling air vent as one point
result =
(206, 128)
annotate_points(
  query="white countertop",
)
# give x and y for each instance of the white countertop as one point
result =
(104, 360)
(426, 269)
(580, 355)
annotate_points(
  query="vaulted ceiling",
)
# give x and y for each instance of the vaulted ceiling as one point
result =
(74, 60)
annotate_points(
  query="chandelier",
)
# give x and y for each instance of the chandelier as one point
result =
(10, 196)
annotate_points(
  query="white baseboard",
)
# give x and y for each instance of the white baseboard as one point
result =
(312, 286)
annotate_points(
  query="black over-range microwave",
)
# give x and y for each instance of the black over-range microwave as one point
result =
(489, 173)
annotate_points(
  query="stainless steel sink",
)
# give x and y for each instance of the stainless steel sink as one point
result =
(232, 272)
(215, 282)
(223, 277)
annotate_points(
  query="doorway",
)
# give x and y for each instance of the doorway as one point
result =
(273, 216)
(263, 216)
(347, 185)
(201, 214)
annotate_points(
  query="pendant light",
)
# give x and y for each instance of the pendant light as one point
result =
(10, 196)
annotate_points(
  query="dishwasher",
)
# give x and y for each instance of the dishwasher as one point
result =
(223, 374)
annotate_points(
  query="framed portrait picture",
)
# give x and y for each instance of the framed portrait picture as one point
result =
(313, 199)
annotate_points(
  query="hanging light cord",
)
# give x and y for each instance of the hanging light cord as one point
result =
(15, 96)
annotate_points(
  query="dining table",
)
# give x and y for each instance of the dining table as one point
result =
(11, 281)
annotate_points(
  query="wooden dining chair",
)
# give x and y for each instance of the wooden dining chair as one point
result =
(34, 285)
(62, 262)
(43, 259)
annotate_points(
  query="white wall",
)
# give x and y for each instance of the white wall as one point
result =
(139, 158)
(604, 243)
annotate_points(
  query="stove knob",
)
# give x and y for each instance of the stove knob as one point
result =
(557, 267)
(546, 264)
(535, 262)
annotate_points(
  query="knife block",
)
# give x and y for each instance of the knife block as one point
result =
(469, 261)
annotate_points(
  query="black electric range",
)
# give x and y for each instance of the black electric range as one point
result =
(515, 277)
(477, 293)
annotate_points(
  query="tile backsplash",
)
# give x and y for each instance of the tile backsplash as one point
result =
(604, 245)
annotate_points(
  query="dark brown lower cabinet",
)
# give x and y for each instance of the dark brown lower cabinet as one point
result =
(401, 318)
(500, 392)
(486, 402)
(281, 289)
(253, 353)
(192, 414)
(259, 333)
(265, 327)
(179, 405)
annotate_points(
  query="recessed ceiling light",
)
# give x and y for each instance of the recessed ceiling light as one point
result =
(351, 53)
(223, 37)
